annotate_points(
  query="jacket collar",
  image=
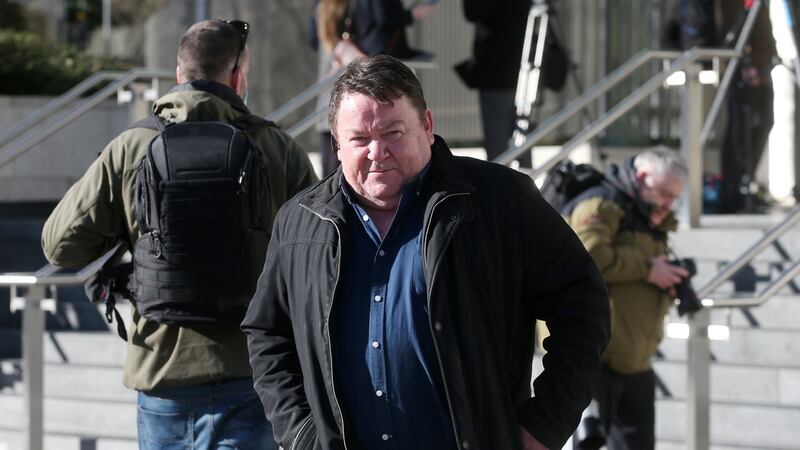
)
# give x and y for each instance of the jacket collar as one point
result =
(445, 177)
(218, 89)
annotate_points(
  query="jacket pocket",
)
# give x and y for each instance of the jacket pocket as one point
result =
(306, 437)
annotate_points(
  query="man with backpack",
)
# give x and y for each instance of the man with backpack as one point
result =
(623, 220)
(192, 191)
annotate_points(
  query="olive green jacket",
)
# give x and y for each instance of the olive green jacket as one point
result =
(623, 256)
(97, 212)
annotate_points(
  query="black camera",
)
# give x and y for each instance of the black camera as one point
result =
(688, 302)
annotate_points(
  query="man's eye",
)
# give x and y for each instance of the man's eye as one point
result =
(394, 134)
(359, 140)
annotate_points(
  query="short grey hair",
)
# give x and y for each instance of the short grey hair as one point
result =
(660, 161)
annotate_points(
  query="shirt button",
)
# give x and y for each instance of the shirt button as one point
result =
(385, 437)
(378, 298)
(465, 445)
(379, 393)
(437, 326)
(365, 218)
(381, 252)
(376, 344)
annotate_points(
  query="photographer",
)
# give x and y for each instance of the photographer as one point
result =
(623, 222)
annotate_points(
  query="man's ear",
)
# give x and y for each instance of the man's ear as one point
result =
(178, 75)
(428, 125)
(640, 176)
(234, 80)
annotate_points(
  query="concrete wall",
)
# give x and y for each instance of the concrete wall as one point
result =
(46, 171)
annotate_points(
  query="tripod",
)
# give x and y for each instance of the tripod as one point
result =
(530, 69)
(540, 31)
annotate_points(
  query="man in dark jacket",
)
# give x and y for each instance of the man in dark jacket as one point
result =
(624, 224)
(397, 305)
(179, 369)
(750, 107)
(494, 67)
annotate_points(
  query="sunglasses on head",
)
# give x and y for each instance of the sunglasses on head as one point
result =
(244, 29)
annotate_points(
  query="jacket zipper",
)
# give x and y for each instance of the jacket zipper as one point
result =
(430, 322)
(328, 315)
(300, 433)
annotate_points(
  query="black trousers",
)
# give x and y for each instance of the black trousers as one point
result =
(750, 119)
(498, 114)
(627, 409)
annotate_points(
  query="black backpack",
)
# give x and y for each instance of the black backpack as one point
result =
(197, 203)
(566, 180)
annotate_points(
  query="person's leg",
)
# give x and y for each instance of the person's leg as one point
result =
(762, 119)
(165, 422)
(733, 150)
(606, 391)
(497, 115)
(636, 415)
(238, 418)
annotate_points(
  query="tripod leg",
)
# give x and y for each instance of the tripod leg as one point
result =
(529, 82)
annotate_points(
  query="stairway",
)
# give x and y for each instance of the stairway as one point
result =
(86, 406)
(755, 377)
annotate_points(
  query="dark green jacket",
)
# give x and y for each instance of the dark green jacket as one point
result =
(613, 224)
(97, 211)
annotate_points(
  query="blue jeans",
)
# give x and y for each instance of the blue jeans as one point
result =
(221, 415)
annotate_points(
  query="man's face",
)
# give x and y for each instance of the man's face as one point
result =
(661, 191)
(381, 147)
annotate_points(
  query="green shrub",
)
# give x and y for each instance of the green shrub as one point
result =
(33, 66)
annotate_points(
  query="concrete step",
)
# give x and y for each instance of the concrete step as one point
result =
(13, 440)
(746, 346)
(738, 384)
(66, 381)
(94, 348)
(76, 417)
(781, 312)
(733, 426)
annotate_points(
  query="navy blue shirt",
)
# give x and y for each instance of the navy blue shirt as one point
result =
(385, 364)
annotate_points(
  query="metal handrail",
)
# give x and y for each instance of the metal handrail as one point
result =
(34, 306)
(57, 103)
(121, 79)
(617, 111)
(47, 275)
(761, 297)
(303, 97)
(10, 154)
(778, 230)
(575, 106)
(307, 122)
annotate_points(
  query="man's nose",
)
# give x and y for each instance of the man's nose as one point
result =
(377, 150)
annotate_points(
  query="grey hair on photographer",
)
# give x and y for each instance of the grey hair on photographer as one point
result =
(661, 160)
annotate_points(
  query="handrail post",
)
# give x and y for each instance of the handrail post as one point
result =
(692, 119)
(33, 366)
(698, 383)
